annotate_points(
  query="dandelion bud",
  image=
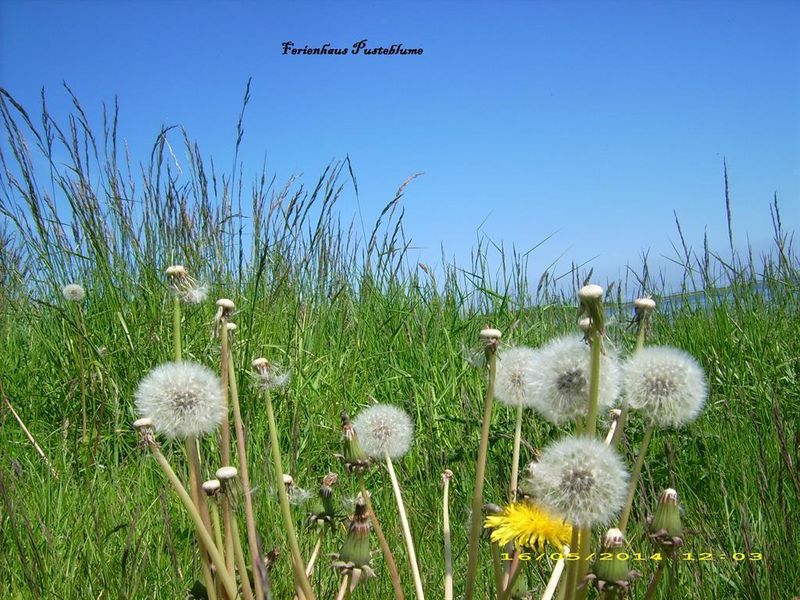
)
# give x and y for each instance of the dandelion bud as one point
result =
(212, 487)
(323, 510)
(355, 553)
(665, 529)
(614, 574)
(73, 292)
(354, 458)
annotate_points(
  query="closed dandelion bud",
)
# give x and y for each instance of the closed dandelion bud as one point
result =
(354, 458)
(355, 552)
(323, 510)
(615, 573)
(666, 529)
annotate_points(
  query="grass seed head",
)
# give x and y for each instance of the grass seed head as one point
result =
(183, 399)
(73, 292)
(580, 478)
(666, 384)
(384, 429)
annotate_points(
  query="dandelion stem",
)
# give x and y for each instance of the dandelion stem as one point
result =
(176, 328)
(497, 568)
(297, 559)
(228, 524)
(240, 564)
(412, 555)
(637, 469)
(555, 576)
(344, 588)
(387, 552)
(252, 539)
(448, 550)
(512, 491)
(225, 438)
(654, 579)
(570, 579)
(594, 385)
(516, 571)
(202, 532)
(623, 417)
(480, 474)
(582, 564)
(315, 553)
(193, 458)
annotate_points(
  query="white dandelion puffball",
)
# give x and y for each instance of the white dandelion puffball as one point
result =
(183, 399)
(384, 429)
(194, 294)
(580, 478)
(73, 292)
(561, 380)
(513, 385)
(666, 384)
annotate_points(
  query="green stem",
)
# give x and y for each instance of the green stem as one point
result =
(582, 564)
(202, 532)
(654, 579)
(448, 550)
(297, 559)
(512, 491)
(516, 571)
(176, 328)
(623, 417)
(497, 568)
(480, 474)
(637, 470)
(394, 575)
(240, 564)
(594, 386)
(570, 578)
(412, 555)
(252, 538)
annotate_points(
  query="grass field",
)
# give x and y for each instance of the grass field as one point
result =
(353, 319)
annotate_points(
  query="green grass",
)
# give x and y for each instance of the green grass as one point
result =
(342, 307)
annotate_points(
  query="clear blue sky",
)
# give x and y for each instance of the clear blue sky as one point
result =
(590, 120)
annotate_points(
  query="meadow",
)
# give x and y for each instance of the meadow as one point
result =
(342, 307)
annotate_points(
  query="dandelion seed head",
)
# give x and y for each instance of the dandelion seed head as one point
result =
(646, 303)
(591, 291)
(183, 399)
(580, 478)
(211, 487)
(666, 384)
(270, 377)
(513, 384)
(195, 294)
(73, 292)
(226, 473)
(384, 428)
(561, 380)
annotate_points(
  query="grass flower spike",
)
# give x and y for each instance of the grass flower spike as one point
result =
(183, 399)
(561, 381)
(580, 478)
(384, 429)
(73, 292)
(528, 526)
(666, 384)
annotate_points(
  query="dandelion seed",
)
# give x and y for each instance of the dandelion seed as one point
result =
(73, 292)
(528, 526)
(270, 377)
(560, 383)
(384, 428)
(183, 399)
(514, 382)
(195, 295)
(666, 384)
(580, 478)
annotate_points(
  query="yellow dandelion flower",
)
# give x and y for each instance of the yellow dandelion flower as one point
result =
(528, 525)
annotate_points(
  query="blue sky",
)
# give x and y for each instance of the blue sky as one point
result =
(592, 121)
